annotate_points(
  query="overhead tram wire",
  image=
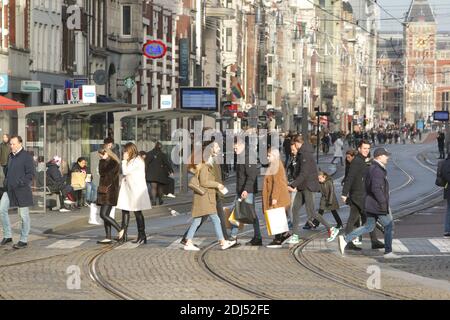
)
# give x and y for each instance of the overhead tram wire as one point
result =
(381, 7)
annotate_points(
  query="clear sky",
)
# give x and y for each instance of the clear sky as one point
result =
(398, 9)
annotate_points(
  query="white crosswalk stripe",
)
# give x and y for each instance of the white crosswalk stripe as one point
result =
(398, 246)
(67, 244)
(443, 245)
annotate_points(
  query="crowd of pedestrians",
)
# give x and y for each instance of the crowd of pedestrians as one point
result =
(135, 181)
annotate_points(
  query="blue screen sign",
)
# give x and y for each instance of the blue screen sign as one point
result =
(199, 99)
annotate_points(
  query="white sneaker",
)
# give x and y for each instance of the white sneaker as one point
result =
(170, 195)
(191, 247)
(228, 244)
(391, 255)
(64, 210)
(342, 244)
(356, 242)
(333, 234)
(94, 222)
(67, 201)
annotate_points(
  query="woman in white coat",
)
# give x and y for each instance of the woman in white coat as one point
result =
(338, 149)
(133, 194)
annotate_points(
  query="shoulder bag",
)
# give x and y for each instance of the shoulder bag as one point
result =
(194, 185)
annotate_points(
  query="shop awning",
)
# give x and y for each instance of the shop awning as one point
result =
(8, 104)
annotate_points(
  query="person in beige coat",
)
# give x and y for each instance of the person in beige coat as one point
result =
(275, 193)
(133, 193)
(205, 205)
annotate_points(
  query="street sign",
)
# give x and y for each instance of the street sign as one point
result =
(89, 94)
(166, 101)
(79, 82)
(30, 86)
(3, 83)
(129, 83)
(154, 49)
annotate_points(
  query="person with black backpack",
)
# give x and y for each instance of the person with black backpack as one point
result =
(442, 178)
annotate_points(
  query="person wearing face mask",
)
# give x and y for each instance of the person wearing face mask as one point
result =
(214, 152)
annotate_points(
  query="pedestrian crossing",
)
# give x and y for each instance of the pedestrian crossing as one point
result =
(419, 246)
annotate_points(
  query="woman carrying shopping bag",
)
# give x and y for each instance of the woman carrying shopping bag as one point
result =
(275, 193)
(204, 203)
(108, 191)
(133, 194)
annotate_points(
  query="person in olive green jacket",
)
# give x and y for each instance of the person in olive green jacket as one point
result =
(217, 173)
(4, 153)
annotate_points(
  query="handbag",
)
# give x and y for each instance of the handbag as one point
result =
(103, 189)
(244, 212)
(78, 180)
(276, 221)
(194, 185)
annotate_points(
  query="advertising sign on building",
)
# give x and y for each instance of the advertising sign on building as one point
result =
(30, 86)
(59, 96)
(154, 49)
(88, 94)
(184, 62)
(3, 83)
(47, 95)
(166, 101)
(73, 95)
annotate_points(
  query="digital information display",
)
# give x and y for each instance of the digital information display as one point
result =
(199, 99)
(440, 115)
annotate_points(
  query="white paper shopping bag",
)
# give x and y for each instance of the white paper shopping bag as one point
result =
(276, 221)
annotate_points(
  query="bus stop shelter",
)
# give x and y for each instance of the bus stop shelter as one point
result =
(69, 131)
(146, 127)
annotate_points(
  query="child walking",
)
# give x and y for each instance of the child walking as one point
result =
(328, 201)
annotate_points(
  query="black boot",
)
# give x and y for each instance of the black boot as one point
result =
(125, 221)
(142, 238)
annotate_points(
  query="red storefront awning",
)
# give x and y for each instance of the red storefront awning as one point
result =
(8, 104)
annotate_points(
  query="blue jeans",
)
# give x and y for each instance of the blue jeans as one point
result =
(385, 220)
(447, 217)
(91, 192)
(24, 217)
(257, 232)
(197, 221)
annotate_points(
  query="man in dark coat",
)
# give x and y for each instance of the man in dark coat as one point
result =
(157, 171)
(441, 143)
(376, 204)
(446, 176)
(246, 185)
(306, 183)
(354, 193)
(19, 177)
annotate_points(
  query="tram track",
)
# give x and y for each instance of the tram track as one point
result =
(298, 252)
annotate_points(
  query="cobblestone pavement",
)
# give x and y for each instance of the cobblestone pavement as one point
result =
(46, 277)
(354, 268)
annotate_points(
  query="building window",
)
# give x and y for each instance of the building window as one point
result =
(445, 101)
(229, 3)
(229, 39)
(446, 73)
(126, 20)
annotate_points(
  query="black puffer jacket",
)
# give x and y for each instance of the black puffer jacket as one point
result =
(307, 178)
(246, 176)
(354, 186)
(55, 180)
